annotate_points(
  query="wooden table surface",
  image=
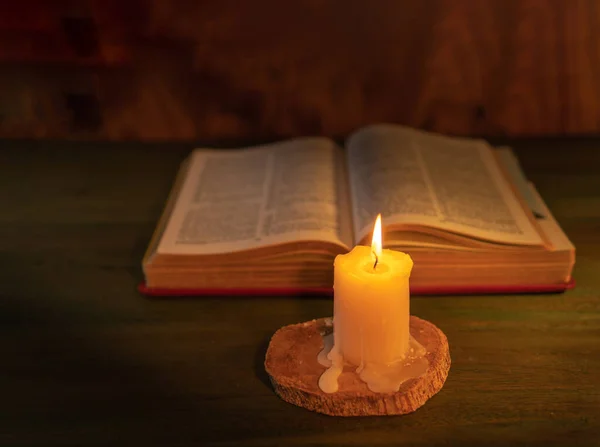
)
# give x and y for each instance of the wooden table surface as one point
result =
(86, 360)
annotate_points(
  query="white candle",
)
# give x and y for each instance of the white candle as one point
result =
(372, 303)
(371, 316)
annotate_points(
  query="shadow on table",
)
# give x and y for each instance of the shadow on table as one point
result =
(259, 362)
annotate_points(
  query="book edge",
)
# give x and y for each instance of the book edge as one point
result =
(325, 291)
(166, 212)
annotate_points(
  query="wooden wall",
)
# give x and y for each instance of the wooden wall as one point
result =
(159, 69)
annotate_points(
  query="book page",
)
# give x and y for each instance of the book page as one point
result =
(511, 164)
(233, 200)
(417, 178)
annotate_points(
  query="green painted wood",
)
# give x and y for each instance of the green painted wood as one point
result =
(85, 360)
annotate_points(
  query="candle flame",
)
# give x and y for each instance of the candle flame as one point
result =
(376, 243)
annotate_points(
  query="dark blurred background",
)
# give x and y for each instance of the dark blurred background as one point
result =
(167, 69)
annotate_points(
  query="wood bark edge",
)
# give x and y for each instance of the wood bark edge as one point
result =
(291, 362)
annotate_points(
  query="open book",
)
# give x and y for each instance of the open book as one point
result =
(273, 217)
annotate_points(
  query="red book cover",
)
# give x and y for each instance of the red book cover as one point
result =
(429, 290)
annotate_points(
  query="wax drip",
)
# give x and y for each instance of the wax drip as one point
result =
(362, 352)
(379, 378)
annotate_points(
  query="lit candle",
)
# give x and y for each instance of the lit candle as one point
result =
(371, 317)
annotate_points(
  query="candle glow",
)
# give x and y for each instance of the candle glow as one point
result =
(376, 241)
(371, 316)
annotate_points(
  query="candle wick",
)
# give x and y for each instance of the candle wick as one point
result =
(376, 260)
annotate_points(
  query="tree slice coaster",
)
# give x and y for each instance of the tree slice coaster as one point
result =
(292, 365)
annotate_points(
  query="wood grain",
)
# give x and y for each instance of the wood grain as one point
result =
(87, 361)
(267, 69)
(292, 365)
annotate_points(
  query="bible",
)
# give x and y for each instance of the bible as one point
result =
(270, 219)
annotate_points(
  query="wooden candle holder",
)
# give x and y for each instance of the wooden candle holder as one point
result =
(292, 365)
